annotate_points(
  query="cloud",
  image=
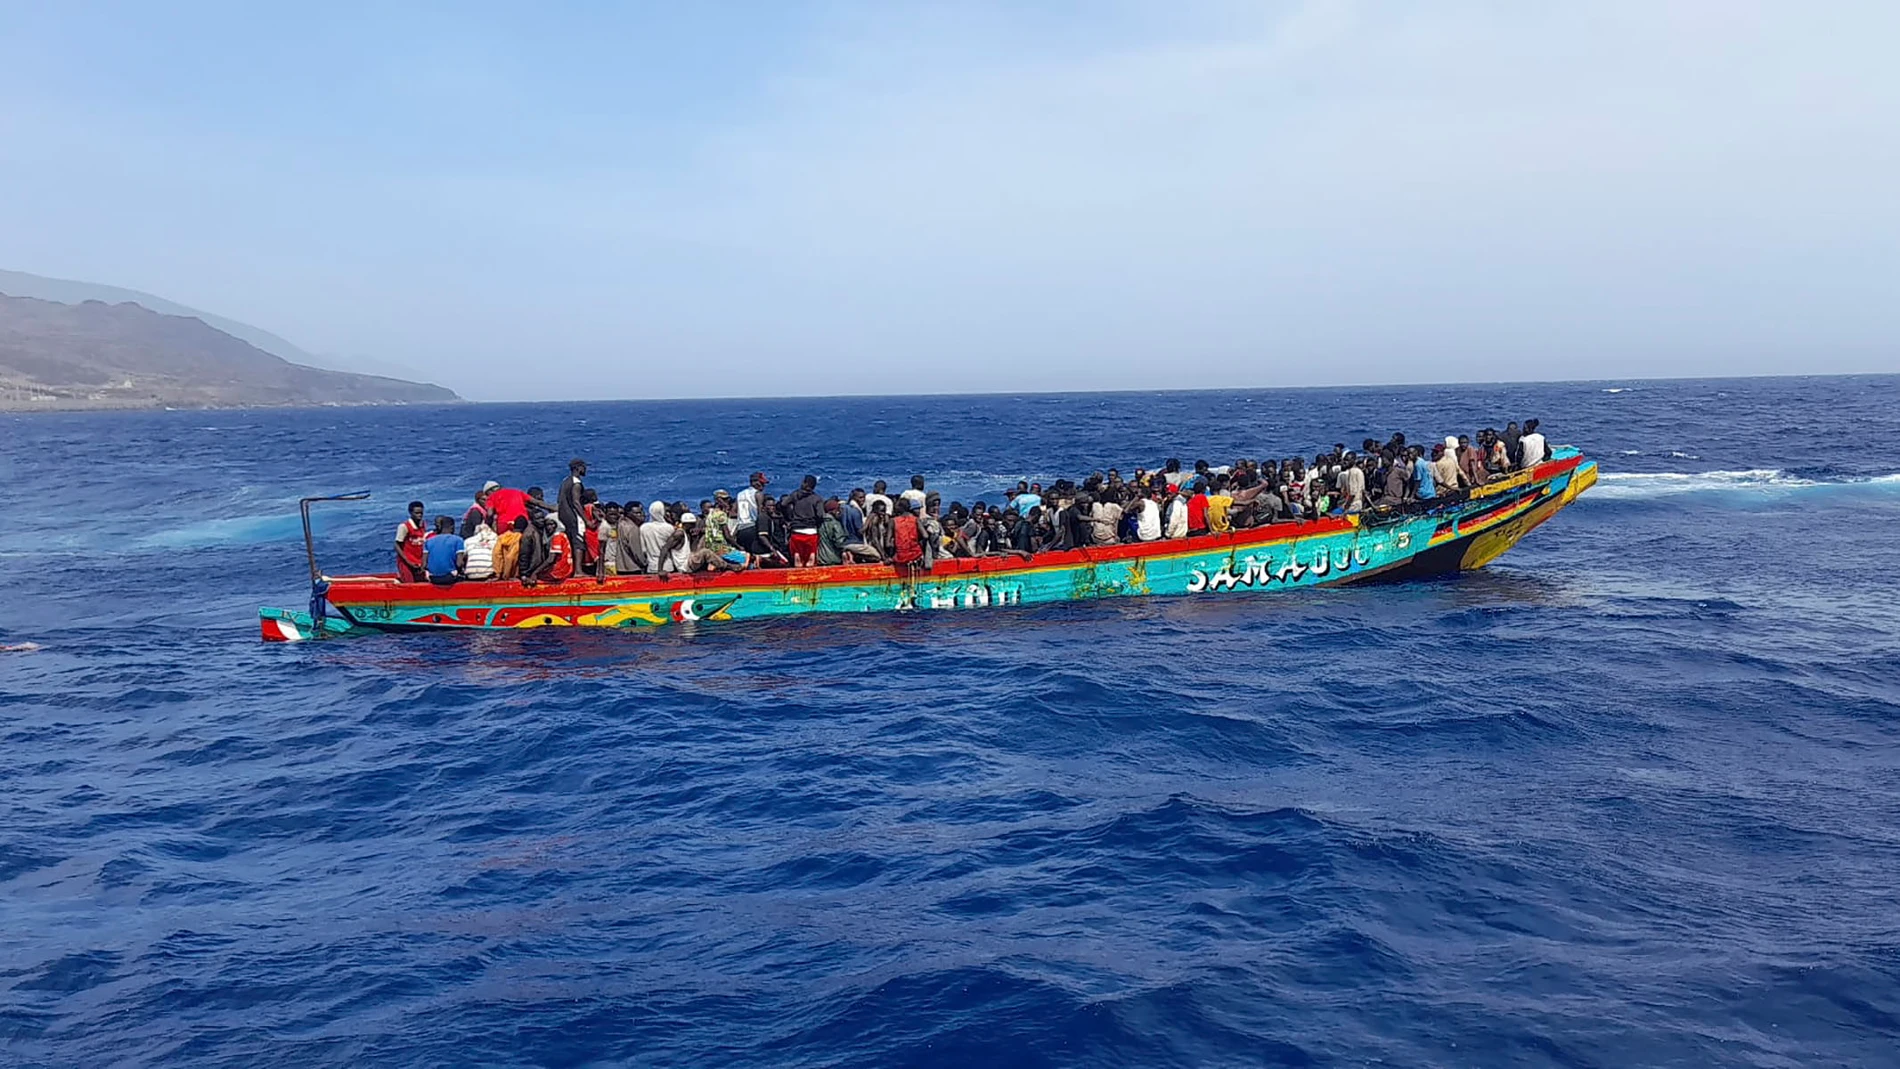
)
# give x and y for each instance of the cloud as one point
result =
(1116, 195)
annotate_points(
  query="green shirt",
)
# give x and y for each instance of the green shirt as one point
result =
(831, 541)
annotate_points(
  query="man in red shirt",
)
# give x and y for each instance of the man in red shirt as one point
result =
(411, 534)
(1197, 509)
(908, 540)
(505, 504)
(560, 557)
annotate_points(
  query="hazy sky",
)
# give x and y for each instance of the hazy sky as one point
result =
(564, 200)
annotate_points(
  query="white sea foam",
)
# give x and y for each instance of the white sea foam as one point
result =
(1761, 481)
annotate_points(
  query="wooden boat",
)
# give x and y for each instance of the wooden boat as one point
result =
(1451, 534)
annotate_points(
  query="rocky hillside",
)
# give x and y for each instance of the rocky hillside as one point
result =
(98, 355)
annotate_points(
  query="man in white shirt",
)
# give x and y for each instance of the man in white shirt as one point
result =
(1177, 516)
(915, 495)
(657, 539)
(480, 548)
(1148, 520)
(745, 512)
(876, 495)
(1531, 446)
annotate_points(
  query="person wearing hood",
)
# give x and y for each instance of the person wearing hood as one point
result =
(658, 538)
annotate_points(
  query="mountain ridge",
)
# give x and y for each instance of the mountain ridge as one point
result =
(96, 355)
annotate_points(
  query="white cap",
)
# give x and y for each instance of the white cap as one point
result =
(688, 518)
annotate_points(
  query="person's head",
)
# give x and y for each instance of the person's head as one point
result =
(705, 505)
(1173, 465)
(534, 492)
(1438, 450)
(1464, 441)
(481, 496)
(549, 522)
(833, 506)
(758, 480)
(916, 482)
(444, 525)
(1200, 466)
(857, 495)
(878, 509)
(612, 511)
(416, 511)
(656, 512)
(520, 525)
(769, 506)
(589, 497)
(722, 500)
(633, 511)
(689, 521)
(577, 466)
(1530, 425)
(1511, 426)
(808, 483)
(902, 505)
(878, 487)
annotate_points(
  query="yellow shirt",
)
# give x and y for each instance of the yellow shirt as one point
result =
(1217, 506)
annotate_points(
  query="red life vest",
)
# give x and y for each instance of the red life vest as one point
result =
(411, 549)
(910, 548)
(563, 556)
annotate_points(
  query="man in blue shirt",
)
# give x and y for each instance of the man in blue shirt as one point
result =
(1421, 471)
(443, 554)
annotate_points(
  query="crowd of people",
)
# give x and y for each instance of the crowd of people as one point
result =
(508, 534)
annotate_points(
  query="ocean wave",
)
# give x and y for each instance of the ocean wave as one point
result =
(1759, 481)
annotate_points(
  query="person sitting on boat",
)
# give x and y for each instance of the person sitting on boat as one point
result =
(658, 539)
(508, 550)
(411, 535)
(693, 554)
(1531, 448)
(772, 537)
(563, 553)
(835, 544)
(1423, 486)
(624, 555)
(1175, 508)
(1352, 485)
(906, 536)
(478, 512)
(1471, 462)
(478, 547)
(715, 542)
(442, 553)
(1446, 475)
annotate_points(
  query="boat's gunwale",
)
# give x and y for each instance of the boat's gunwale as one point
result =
(348, 591)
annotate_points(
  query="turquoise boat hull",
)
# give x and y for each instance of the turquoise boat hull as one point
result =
(1453, 535)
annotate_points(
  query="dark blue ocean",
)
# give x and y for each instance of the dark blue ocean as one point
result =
(1630, 797)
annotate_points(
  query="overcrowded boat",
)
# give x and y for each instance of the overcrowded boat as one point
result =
(1306, 537)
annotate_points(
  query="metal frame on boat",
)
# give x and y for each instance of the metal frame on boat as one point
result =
(1455, 533)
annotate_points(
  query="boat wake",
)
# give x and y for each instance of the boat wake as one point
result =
(1753, 481)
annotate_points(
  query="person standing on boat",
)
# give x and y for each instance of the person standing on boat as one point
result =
(746, 513)
(571, 503)
(876, 495)
(411, 538)
(804, 511)
(505, 505)
(915, 495)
